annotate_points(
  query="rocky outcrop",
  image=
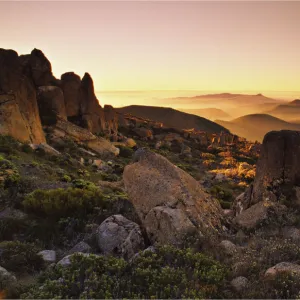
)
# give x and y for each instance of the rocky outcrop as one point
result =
(63, 129)
(70, 85)
(278, 168)
(277, 173)
(119, 236)
(51, 104)
(38, 68)
(168, 200)
(82, 105)
(19, 115)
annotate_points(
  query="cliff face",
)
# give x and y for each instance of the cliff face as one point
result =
(19, 114)
(31, 96)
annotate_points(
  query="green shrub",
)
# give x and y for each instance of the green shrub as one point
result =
(83, 184)
(9, 174)
(66, 178)
(26, 148)
(125, 151)
(222, 193)
(20, 257)
(167, 273)
(8, 144)
(60, 203)
(11, 226)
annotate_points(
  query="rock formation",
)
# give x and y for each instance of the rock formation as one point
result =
(29, 94)
(19, 115)
(51, 104)
(277, 173)
(82, 105)
(38, 68)
(169, 201)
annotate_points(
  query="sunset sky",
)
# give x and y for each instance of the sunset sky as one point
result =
(163, 45)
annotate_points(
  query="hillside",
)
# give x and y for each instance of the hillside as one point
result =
(255, 126)
(172, 118)
(289, 111)
(208, 113)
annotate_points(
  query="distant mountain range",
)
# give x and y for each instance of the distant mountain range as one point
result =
(255, 126)
(172, 118)
(235, 105)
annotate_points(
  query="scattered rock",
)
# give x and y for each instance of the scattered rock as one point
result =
(283, 267)
(81, 247)
(221, 177)
(143, 132)
(6, 278)
(66, 261)
(49, 256)
(239, 284)
(292, 233)
(130, 143)
(119, 236)
(228, 247)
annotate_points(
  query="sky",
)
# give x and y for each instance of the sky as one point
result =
(163, 45)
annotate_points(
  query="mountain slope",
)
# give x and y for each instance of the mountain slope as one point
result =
(255, 126)
(172, 118)
(208, 113)
(289, 111)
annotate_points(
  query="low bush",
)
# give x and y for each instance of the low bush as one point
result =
(8, 144)
(222, 193)
(20, 257)
(167, 273)
(9, 174)
(125, 151)
(58, 203)
(10, 227)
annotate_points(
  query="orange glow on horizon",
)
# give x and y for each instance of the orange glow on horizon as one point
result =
(201, 46)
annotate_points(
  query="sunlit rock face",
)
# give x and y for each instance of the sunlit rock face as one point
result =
(19, 114)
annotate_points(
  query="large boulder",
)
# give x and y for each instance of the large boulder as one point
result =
(51, 104)
(277, 172)
(119, 236)
(19, 115)
(278, 168)
(258, 214)
(165, 195)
